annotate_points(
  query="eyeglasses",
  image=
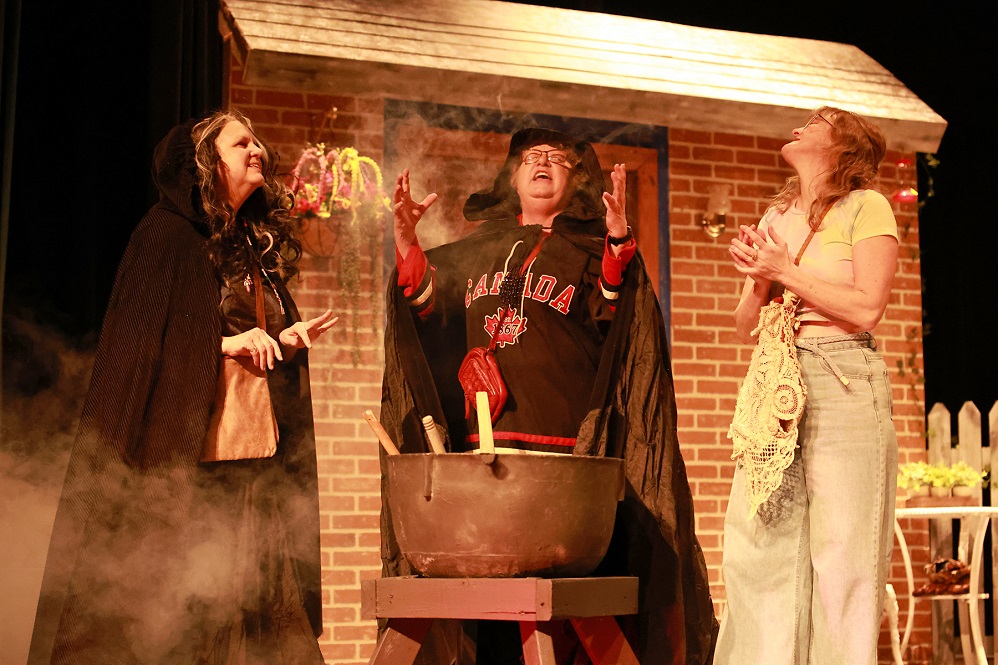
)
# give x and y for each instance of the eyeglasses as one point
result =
(555, 156)
(817, 116)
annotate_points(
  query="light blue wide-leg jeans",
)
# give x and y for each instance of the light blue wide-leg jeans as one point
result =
(805, 577)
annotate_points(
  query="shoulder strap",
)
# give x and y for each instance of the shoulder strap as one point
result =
(787, 292)
(523, 269)
(261, 312)
(800, 252)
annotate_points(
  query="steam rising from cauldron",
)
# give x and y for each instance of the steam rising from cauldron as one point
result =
(456, 151)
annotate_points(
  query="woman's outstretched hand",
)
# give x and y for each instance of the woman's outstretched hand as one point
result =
(264, 349)
(255, 343)
(304, 333)
(407, 213)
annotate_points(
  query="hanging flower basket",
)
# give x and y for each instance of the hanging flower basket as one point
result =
(337, 191)
(318, 235)
(340, 207)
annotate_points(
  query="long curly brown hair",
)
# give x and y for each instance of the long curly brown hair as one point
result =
(858, 146)
(264, 218)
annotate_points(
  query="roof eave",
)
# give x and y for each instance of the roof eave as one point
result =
(761, 88)
(366, 78)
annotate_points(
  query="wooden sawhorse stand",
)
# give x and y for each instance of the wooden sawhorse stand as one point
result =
(412, 603)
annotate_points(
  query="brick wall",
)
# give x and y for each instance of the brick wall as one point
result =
(708, 360)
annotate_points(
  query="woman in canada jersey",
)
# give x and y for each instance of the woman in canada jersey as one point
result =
(551, 281)
(540, 275)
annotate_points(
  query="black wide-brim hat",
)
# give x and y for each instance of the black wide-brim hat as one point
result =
(501, 200)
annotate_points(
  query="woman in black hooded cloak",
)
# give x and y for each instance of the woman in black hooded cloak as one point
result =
(161, 552)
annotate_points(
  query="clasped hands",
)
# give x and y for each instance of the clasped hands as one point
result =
(758, 256)
(264, 349)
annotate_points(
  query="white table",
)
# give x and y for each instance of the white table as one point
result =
(974, 526)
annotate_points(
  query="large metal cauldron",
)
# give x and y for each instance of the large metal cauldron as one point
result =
(520, 516)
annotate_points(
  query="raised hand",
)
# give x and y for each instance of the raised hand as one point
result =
(616, 203)
(407, 213)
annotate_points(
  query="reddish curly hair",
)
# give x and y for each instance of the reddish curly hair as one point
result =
(858, 147)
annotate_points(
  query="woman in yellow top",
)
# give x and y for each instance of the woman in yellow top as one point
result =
(805, 565)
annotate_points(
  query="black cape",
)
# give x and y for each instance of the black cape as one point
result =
(131, 562)
(631, 415)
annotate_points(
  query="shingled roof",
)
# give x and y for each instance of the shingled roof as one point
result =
(501, 55)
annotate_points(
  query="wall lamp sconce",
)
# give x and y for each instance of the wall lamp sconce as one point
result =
(718, 205)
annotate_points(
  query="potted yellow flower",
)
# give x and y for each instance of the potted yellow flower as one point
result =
(940, 479)
(966, 479)
(914, 477)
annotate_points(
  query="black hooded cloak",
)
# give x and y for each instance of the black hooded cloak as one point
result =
(628, 411)
(156, 558)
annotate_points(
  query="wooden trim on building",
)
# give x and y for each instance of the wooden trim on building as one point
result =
(491, 54)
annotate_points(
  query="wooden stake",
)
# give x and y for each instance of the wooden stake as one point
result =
(379, 431)
(433, 435)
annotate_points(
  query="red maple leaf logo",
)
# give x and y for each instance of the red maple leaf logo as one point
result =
(511, 327)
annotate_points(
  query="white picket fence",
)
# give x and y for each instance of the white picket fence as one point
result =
(944, 447)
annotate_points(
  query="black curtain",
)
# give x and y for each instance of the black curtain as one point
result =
(10, 29)
(98, 84)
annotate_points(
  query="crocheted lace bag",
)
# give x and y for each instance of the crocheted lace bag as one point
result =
(770, 400)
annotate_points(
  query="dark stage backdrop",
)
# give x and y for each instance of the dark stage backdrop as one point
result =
(99, 83)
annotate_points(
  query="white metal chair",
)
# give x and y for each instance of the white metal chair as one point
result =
(891, 612)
